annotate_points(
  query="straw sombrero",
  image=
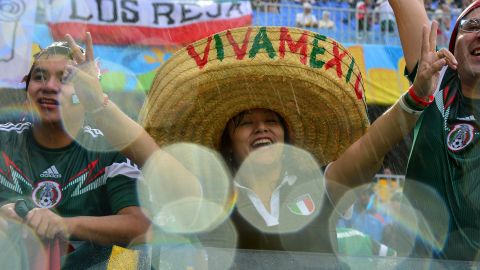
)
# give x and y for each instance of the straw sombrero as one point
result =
(312, 81)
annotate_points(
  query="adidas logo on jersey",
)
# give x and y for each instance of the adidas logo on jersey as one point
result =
(51, 172)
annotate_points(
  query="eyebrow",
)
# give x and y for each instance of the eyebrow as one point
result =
(42, 70)
(39, 69)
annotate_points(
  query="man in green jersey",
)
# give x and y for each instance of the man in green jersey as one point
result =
(445, 154)
(54, 161)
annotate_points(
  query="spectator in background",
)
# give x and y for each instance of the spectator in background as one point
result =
(273, 6)
(395, 234)
(326, 22)
(465, 4)
(266, 5)
(428, 7)
(443, 16)
(386, 16)
(364, 19)
(361, 217)
(306, 18)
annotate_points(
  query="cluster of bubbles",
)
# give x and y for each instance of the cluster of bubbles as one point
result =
(186, 213)
(195, 211)
(189, 193)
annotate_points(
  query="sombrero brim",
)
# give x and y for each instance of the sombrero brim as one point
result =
(324, 112)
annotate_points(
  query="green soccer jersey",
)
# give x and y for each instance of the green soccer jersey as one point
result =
(72, 181)
(446, 156)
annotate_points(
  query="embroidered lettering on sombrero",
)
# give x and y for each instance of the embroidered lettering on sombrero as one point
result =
(321, 51)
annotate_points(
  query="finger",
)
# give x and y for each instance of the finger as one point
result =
(451, 65)
(8, 211)
(42, 229)
(451, 61)
(425, 44)
(84, 75)
(68, 74)
(76, 52)
(437, 66)
(89, 47)
(34, 220)
(433, 36)
(51, 231)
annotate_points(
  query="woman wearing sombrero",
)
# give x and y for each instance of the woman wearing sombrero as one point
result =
(244, 92)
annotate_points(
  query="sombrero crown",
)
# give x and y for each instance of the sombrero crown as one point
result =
(310, 80)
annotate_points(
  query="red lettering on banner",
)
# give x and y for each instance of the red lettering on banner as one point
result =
(300, 44)
(201, 62)
(358, 88)
(336, 60)
(239, 52)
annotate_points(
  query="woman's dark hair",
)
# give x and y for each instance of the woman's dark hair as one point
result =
(226, 142)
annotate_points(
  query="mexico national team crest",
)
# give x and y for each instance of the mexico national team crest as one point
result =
(47, 194)
(460, 137)
(302, 205)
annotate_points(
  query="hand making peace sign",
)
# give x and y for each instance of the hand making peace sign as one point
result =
(84, 74)
(431, 62)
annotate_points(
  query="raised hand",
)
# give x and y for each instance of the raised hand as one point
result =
(85, 74)
(431, 62)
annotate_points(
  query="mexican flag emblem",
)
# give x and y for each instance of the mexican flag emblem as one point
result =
(302, 206)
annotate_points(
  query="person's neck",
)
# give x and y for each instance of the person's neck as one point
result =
(262, 179)
(471, 89)
(52, 135)
(262, 182)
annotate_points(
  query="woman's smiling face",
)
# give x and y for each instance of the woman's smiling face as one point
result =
(254, 129)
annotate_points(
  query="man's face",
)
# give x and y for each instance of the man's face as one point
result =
(47, 91)
(467, 52)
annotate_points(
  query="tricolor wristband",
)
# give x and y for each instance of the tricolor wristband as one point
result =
(407, 99)
(418, 100)
(407, 108)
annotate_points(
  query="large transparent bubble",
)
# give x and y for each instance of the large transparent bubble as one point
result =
(92, 131)
(21, 247)
(213, 249)
(404, 228)
(288, 186)
(187, 189)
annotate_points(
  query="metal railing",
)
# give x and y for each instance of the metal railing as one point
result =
(347, 26)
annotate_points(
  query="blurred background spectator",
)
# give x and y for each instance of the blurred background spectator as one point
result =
(428, 6)
(271, 6)
(444, 17)
(326, 22)
(364, 19)
(386, 16)
(306, 18)
(361, 216)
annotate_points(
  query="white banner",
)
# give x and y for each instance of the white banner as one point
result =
(17, 22)
(147, 22)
